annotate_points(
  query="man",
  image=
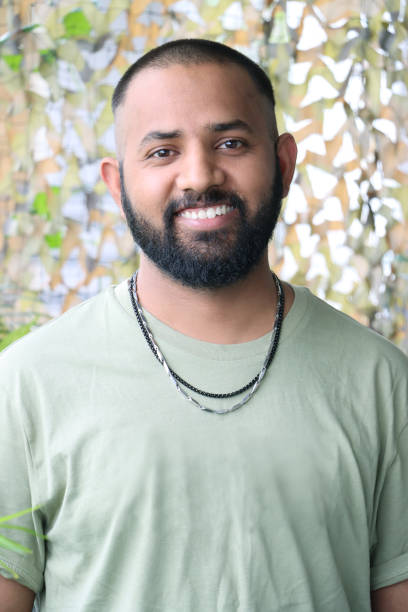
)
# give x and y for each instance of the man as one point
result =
(204, 438)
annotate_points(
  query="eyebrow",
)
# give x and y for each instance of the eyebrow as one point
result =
(230, 125)
(157, 135)
(212, 127)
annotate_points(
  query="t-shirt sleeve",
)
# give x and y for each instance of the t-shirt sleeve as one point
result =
(17, 494)
(389, 562)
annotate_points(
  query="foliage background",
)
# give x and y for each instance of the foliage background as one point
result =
(340, 74)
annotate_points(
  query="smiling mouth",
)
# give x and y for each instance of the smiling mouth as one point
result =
(206, 213)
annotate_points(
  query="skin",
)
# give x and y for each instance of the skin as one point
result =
(184, 104)
(15, 597)
(392, 598)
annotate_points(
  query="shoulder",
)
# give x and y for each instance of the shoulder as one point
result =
(68, 335)
(336, 334)
(365, 374)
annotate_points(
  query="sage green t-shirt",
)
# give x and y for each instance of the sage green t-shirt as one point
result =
(297, 502)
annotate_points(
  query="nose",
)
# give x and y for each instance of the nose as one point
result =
(199, 171)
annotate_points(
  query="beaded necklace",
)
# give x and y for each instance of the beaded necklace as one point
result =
(178, 380)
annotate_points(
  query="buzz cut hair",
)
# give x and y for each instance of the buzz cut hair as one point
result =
(193, 51)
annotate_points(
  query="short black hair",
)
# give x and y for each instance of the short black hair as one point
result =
(190, 51)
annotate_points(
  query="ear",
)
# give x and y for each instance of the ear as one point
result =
(111, 177)
(287, 153)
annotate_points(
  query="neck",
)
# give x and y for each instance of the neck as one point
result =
(238, 313)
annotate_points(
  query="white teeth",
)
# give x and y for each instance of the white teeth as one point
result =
(207, 213)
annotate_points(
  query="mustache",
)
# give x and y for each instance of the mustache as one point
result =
(208, 198)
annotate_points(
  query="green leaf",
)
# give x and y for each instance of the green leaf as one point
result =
(48, 55)
(40, 205)
(10, 517)
(11, 571)
(13, 61)
(30, 28)
(76, 24)
(6, 341)
(54, 241)
(25, 529)
(373, 88)
(279, 32)
(393, 6)
(14, 546)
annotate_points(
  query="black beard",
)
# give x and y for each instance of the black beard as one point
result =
(213, 259)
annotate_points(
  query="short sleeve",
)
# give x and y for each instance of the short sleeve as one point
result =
(16, 494)
(389, 562)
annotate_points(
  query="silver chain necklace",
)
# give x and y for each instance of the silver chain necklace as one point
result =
(177, 380)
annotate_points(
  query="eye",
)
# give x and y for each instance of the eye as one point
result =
(232, 143)
(161, 154)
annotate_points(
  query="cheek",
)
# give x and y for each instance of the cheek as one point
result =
(149, 189)
(257, 179)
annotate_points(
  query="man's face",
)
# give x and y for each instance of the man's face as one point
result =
(200, 183)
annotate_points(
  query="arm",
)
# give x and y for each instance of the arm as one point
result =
(15, 597)
(392, 598)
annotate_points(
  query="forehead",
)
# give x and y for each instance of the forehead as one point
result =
(185, 97)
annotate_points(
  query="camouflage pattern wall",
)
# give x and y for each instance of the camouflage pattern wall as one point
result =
(339, 69)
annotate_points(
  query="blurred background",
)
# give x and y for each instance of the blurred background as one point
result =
(340, 73)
